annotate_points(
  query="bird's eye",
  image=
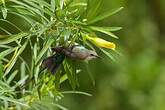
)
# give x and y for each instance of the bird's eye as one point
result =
(92, 55)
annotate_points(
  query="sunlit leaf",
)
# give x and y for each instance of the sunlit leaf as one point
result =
(53, 5)
(14, 58)
(103, 30)
(13, 100)
(63, 78)
(4, 9)
(12, 38)
(12, 76)
(4, 12)
(7, 52)
(111, 29)
(21, 82)
(76, 92)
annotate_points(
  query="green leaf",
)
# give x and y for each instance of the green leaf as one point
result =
(62, 3)
(74, 72)
(53, 5)
(64, 37)
(18, 107)
(42, 3)
(103, 30)
(26, 64)
(1, 69)
(104, 15)
(5, 46)
(60, 106)
(23, 69)
(4, 30)
(13, 100)
(15, 57)
(2, 1)
(34, 5)
(4, 9)
(7, 52)
(108, 54)
(108, 28)
(78, 4)
(76, 92)
(21, 82)
(12, 76)
(4, 12)
(12, 38)
(44, 49)
(35, 51)
(63, 78)
(93, 8)
(28, 19)
(21, 10)
(68, 70)
(57, 80)
(36, 72)
(112, 28)
(89, 73)
(12, 24)
(30, 8)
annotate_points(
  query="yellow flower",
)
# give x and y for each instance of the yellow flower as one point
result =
(101, 42)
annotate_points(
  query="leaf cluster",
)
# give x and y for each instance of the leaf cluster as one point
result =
(48, 24)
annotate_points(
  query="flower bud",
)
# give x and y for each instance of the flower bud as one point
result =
(101, 42)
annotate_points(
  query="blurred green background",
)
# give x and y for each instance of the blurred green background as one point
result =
(137, 80)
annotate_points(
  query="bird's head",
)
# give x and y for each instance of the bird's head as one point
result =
(92, 55)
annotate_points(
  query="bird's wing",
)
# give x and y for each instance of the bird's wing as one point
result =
(52, 63)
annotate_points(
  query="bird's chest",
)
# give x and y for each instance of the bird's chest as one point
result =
(77, 54)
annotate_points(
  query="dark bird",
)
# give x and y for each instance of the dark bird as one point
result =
(75, 52)
(53, 62)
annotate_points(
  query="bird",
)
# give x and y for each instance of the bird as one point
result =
(75, 52)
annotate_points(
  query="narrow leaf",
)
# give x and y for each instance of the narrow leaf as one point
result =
(108, 54)
(7, 52)
(93, 7)
(12, 38)
(104, 15)
(103, 30)
(44, 49)
(63, 78)
(53, 5)
(21, 82)
(15, 57)
(60, 106)
(76, 92)
(13, 100)
(90, 74)
(69, 75)
(107, 28)
(12, 76)
(4, 12)
(1, 70)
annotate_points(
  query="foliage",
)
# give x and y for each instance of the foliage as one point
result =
(23, 45)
